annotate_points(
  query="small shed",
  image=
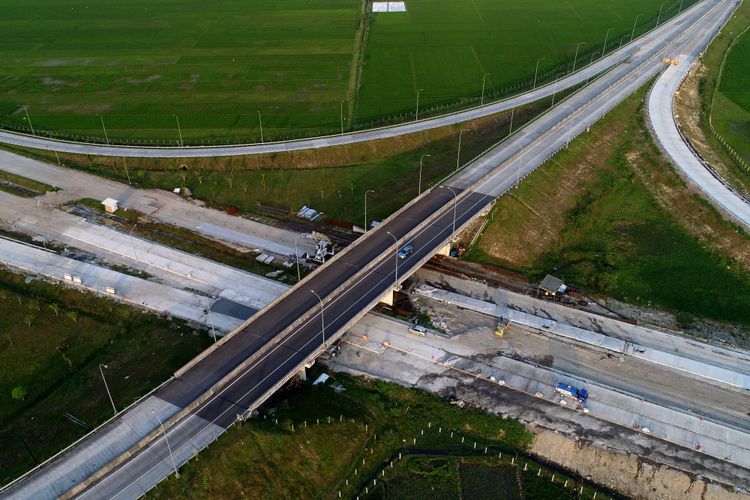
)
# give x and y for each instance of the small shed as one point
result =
(552, 286)
(110, 205)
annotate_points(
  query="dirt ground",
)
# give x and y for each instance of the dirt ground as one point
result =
(628, 474)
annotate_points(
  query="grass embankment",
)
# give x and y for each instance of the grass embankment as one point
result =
(51, 343)
(716, 91)
(332, 180)
(319, 442)
(22, 186)
(611, 215)
(131, 71)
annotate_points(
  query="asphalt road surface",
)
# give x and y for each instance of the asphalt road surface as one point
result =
(291, 331)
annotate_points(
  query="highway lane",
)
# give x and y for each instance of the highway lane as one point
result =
(662, 119)
(254, 382)
(666, 30)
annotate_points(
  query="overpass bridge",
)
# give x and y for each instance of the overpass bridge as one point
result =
(132, 453)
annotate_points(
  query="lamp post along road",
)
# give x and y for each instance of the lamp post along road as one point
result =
(484, 78)
(179, 130)
(322, 320)
(604, 47)
(114, 408)
(536, 71)
(575, 59)
(366, 192)
(106, 137)
(342, 117)
(28, 119)
(416, 113)
(396, 254)
(419, 191)
(455, 206)
(260, 123)
(169, 448)
(554, 88)
(632, 33)
(658, 18)
(458, 155)
(296, 256)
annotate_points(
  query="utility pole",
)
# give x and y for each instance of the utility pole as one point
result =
(296, 257)
(484, 78)
(575, 59)
(28, 119)
(536, 71)
(420, 172)
(458, 155)
(260, 122)
(101, 365)
(106, 137)
(416, 114)
(368, 191)
(604, 47)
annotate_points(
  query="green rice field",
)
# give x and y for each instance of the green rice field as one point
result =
(170, 71)
(731, 109)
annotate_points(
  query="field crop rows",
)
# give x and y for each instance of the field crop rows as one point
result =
(139, 63)
(168, 72)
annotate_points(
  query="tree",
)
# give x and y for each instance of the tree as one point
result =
(72, 316)
(55, 308)
(33, 305)
(29, 320)
(19, 393)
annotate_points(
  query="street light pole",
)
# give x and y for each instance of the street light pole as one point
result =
(368, 191)
(101, 365)
(163, 430)
(575, 59)
(512, 112)
(536, 71)
(296, 257)
(484, 78)
(260, 122)
(458, 155)
(680, 11)
(179, 130)
(416, 114)
(554, 88)
(322, 320)
(420, 172)
(106, 137)
(658, 18)
(604, 47)
(396, 254)
(28, 119)
(632, 33)
(455, 205)
(342, 117)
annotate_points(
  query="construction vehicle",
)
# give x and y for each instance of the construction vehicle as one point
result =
(501, 326)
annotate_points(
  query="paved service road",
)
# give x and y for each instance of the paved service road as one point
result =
(661, 116)
(667, 30)
(248, 365)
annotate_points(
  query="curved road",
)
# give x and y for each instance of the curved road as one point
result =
(665, 31)
(132, 453)
(662, 118)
